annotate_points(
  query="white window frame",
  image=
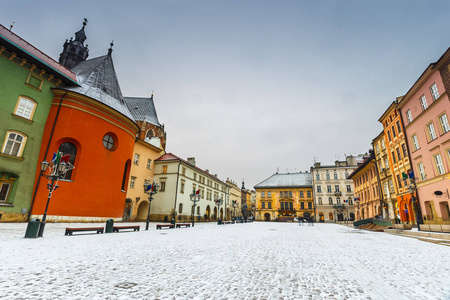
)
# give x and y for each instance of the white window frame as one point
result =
(439, 164)
(423, 102)
(12, 142)
(136, 159)
(409, 116)
(132, 182)
(415, 142)
(319, 189)
(434, 91)
(9, 184)
(421, 170)
(149, 163)
(25, 108)
(444, 123)
(431, 131)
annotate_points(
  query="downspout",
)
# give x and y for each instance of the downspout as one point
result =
(380, 191)
(45, 155)
(176, 194)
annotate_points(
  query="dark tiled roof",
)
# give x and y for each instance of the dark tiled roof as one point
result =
(142, 109)
(35, 55)
(99, 81)
(285, 180)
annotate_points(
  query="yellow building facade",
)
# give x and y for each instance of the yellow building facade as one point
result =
(283, 197)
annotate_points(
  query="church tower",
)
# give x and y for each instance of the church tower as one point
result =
(74, 51)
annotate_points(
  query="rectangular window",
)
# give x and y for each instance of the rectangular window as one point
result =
(349, 188)
(4, 191)
(399, 127)
(282, 205)
(180, 208)
(183, 171)
(336, 188)
(317, 176)
(415, 142)
(319, 189)
(309, 205)
(391, 185)
(301, 194)
(389, 135)
(431, 132)
(263, 205)
(308, 194)
(195, 176)
(263, 194)
(290, 194)
(422, 174)
(434, 92)
(269, 194)
(136, 159)
(162, 188)
(386, 163)
(329, 188)
(132, 182)
(439, 164)
(291, 206)
(149, 164)
(399, 156)
(393, 132)
(399, 181)
(423, 102)
(328, 176)
(335, 176)
(405, 152)
(383, 144)
(393, 157)
(302, 205)
(164, 169)
(377, 149)
(444, 123)
(182, 187)
(269, 205)
(409, 116)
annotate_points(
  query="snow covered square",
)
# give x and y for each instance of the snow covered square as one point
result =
(262, 260)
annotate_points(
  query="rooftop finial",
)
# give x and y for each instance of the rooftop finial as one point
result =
(85, 22)
(11, 26)
(110, 48)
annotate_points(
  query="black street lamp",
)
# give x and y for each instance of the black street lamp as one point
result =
(218, 203)
(195, 197)
(57, 170)
(412, 189)
(150, 189)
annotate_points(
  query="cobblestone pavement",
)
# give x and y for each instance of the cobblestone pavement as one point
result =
(239, 261)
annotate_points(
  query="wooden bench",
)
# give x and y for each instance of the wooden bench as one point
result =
(69, 231)
(227, 222)
(117, 228)
(160, 226)
(186, 225)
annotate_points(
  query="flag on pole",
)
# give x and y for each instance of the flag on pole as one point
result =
(56, 157)
(411, 174)
(65, 158)
(197, 192)
(149, 188)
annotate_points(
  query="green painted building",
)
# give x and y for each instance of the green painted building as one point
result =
(26, 78)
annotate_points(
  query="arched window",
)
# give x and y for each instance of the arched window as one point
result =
(68, 148)
(13, 144)
(330, 200)
(125, 175)
(25, 108)
(149, 134)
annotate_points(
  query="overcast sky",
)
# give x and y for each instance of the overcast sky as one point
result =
(247, 87)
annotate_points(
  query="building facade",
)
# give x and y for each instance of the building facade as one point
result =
(149, 146)
(367, 190)
(27, 76)
(178, 180)
(234, 203)
(425, 112)
(333, 192)
(284, 196)
(399, 161)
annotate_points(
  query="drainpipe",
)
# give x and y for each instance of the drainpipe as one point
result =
(176, 194)
(380, 191)
(45, 155)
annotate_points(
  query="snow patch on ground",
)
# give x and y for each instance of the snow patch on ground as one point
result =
(239, 261)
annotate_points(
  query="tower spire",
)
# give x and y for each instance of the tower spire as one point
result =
(74, 50)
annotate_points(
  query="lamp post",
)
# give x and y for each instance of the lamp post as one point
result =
(218, 203)
(412, 190)
(357, 205)
(57, 169)
(253, 212)
(234, 204)
(195, 197)
(150, 189)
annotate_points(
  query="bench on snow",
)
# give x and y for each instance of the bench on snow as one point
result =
(160, 226)
(69, 231)
(134, 227)
(227, 222)
(186, 225)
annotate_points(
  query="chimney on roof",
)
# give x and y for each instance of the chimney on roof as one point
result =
(191, 160)
(206, 170)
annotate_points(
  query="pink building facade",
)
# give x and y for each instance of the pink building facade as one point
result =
(425, 111)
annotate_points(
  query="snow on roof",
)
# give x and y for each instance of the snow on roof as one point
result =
(301, 179)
